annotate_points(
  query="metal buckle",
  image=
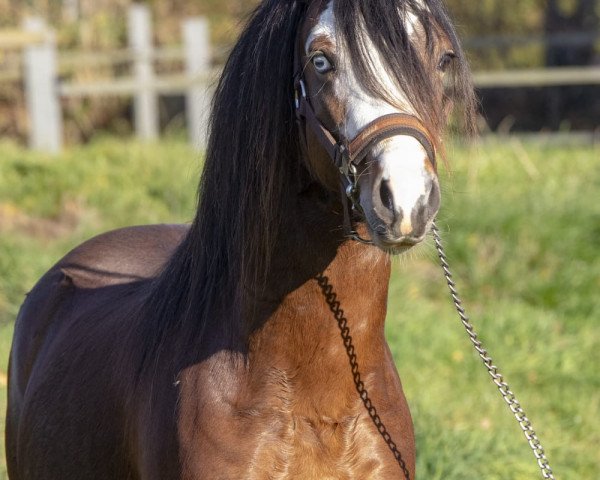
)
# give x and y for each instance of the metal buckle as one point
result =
(351, 192)
(357, 238)
(297, 94)
(349, 172)
(347, 168)
(352, 169)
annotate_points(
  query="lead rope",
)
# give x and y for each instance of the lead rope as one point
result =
(497, 378)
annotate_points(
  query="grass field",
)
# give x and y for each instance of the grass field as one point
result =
(521, 224)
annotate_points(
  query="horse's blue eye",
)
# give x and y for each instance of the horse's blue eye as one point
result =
(321, 63)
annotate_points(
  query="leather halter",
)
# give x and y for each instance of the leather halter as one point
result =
(347, 154)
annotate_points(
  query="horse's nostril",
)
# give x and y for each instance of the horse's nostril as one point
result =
(434, 198)
(387, 198)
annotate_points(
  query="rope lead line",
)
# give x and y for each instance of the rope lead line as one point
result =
(497, 378)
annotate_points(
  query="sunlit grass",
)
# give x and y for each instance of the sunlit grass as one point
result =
(522, 235)
(521, 225)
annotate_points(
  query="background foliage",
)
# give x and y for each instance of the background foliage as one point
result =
(101, 25)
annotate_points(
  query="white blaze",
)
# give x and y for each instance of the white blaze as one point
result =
(325, 27)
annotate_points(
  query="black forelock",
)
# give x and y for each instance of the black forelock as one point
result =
(385, 22)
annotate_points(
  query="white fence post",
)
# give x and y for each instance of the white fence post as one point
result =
(41, 89)
(70, 10)
(145, 100)
(196, 44)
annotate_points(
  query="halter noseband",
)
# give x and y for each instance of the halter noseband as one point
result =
(346, 154)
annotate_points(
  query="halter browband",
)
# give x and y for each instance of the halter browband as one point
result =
(347, 154)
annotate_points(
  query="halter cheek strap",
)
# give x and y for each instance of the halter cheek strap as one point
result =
(348, 155)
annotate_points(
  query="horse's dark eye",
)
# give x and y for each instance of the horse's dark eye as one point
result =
(321, 63)
(446, 61)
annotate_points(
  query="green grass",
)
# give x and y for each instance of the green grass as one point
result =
(521, 224)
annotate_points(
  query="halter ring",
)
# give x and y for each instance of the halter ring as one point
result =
(302, 93)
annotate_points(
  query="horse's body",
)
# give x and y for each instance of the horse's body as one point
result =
(297, 398)
(69, 304)
(209, 351)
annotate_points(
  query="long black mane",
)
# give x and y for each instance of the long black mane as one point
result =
(253, 152)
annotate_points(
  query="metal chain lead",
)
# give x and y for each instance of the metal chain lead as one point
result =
(497, 378)
(338, 313)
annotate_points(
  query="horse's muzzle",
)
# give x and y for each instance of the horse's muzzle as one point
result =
(400, 196)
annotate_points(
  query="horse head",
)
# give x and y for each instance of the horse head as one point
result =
(371, 90)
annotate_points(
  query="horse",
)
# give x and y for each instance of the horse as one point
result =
(209, 351)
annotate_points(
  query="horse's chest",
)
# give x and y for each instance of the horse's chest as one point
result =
(278, 426)
(257, 446)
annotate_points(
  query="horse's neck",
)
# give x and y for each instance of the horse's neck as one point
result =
(298, 339)
(312, 243)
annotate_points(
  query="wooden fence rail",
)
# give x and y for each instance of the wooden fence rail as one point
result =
(542, 77)
(566, 39)
(70, 61)
(42, 65)
(19, 39)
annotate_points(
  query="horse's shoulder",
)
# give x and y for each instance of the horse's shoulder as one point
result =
(121, 256)
(102, 266)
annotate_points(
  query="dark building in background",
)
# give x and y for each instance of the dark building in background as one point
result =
(571, 39)
(581, 27)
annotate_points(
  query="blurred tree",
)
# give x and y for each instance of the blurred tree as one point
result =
(70, 11)
(482, 21)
